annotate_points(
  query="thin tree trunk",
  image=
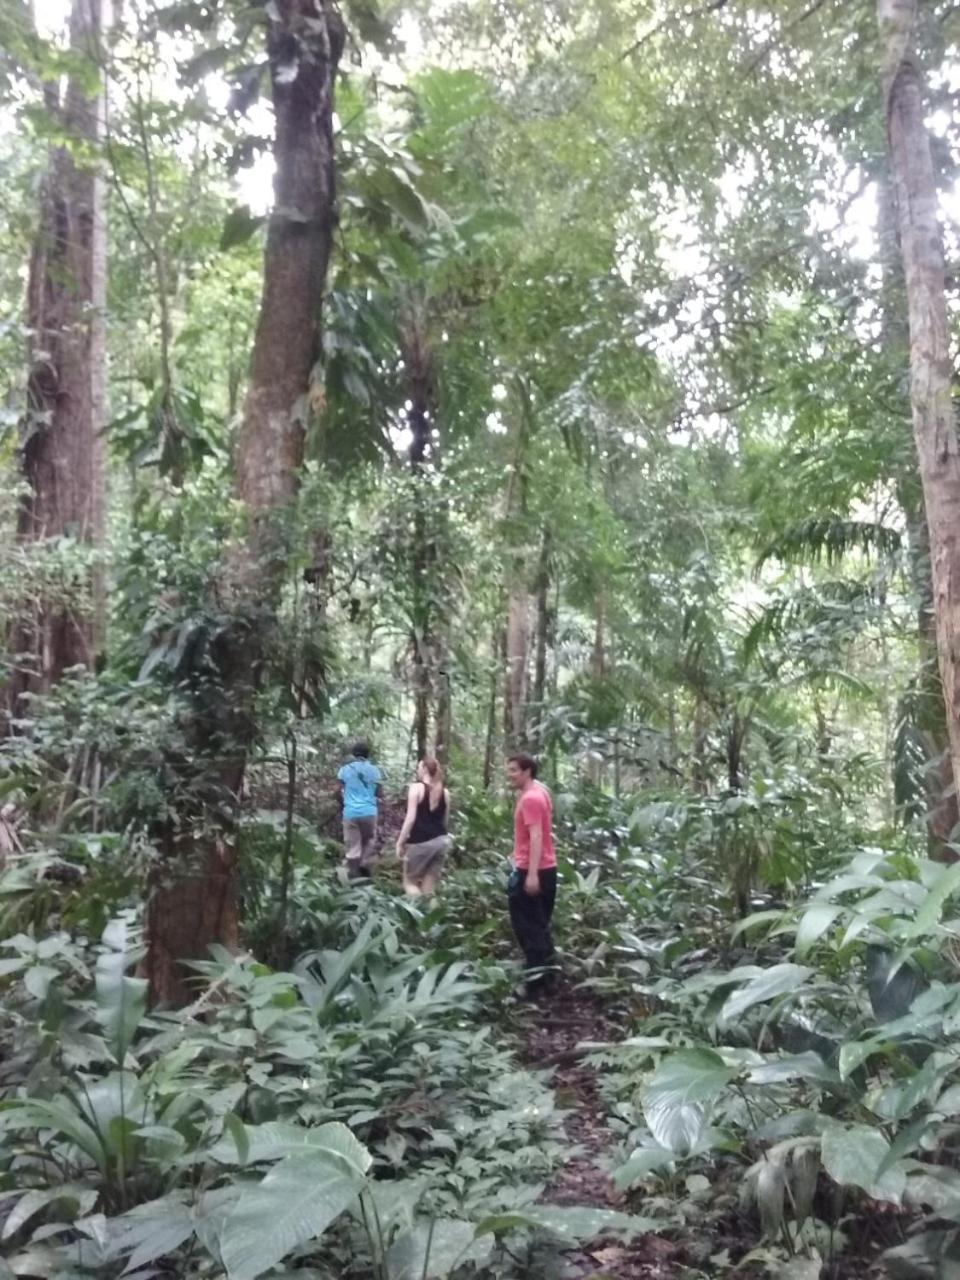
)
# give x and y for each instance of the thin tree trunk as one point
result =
(421, 698)
(304, 42)
(61, 445)
(281, 956)
(172, 449)
(423, 560)
(517, 582)
(934, 427)
(735, 739)
(498, 646)
(598, 670)
(553, 657)
(672, 727)
(311, 675)
(701, 728)
(443, 728)
(543, 627)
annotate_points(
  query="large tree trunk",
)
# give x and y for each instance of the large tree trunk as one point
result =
(304, 42)
(921, 246)
(61, 446)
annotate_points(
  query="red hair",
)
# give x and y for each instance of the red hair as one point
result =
(434, 768)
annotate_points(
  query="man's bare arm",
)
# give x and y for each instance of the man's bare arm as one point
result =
(532, 883)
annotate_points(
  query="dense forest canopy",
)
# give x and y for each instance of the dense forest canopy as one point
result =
(460, 380)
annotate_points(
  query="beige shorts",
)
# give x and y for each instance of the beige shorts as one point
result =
(427, 859)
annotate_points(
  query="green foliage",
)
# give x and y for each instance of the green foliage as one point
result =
(611, 348)
(246, 1133)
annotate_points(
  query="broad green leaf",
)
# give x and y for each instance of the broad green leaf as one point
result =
(121, 1000)
(295, 1203)
(640, 1162)
(238, 1132)
(754, 921)
(60, 1116)
(278, 1138)
(798, 1066)
(498, 1224)
(771, 1185)
(584, 1222)
(211, 1209)
(859, 923)
(853, 1156)
(933, 1187)
(897, 1101)
(152, 1230)
(929, 1255)
(114, 1105)
(802, 1269)
(814, 923)
(433, 1249)
(31, 1202)
(907, 1140)
(948, 1104)
(37, 980)
(777, 981)
(570, 1222)
(892, 984)
(239, 225)
(855, 1053)
(927, 918)
(675, 1101)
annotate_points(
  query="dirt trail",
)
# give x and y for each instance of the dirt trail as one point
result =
(552, 1034)
(550, 1038)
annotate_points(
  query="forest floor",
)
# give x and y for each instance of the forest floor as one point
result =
(551, 1038)
(551, 1034)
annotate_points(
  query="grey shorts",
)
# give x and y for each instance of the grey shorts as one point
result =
(360, 840)
(427, 859)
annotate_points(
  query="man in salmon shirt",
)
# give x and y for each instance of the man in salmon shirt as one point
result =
(532, 887)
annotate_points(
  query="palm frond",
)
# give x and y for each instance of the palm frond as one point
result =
(911, 757)
(841, 605)
(830, 539)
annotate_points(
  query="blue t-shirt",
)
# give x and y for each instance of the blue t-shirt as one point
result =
(360, 780)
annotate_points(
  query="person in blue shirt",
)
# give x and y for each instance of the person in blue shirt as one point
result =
(360, 790)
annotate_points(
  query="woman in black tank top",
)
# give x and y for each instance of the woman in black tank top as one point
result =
(423, 843)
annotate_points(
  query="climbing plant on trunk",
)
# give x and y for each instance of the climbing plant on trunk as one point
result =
(193, 902)
(921, 246)
(61, 456)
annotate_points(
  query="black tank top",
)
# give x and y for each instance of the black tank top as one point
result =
(429, 823)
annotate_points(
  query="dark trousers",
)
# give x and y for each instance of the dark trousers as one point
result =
(530, 917)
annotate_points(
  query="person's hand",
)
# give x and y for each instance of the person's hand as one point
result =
(532, 884)
(401, 848)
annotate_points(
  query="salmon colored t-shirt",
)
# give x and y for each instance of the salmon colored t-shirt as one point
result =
(533, 807)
